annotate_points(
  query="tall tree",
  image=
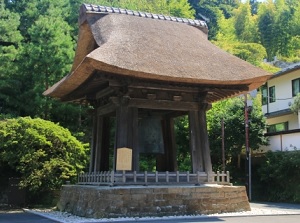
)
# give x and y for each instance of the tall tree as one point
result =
(245, 24)
(232, 112)
(266, 21)
(234, 37)
(45, 56)
(276, 22)
(10, 39)
(209, 11)
(49, 35)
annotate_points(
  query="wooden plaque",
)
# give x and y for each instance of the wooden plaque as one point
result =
(124, 159)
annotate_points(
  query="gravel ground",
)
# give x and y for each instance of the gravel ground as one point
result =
(256, 209)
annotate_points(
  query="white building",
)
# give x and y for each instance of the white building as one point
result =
(277, 96)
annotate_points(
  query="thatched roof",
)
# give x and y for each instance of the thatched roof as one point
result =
(151, 47)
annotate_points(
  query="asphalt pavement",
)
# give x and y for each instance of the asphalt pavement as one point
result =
(237, 219)
(23, 217)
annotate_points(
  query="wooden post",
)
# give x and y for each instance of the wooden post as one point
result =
(101, 148)
(196, 150)
(168, 160)
(204, 144)
(99, 132)
(127, 132)
(104, 157)
(93, 142)
(201, 160)
(223, 145)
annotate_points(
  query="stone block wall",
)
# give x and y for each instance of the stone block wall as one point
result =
(138, 201)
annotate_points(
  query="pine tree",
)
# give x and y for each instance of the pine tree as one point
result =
(10, 39)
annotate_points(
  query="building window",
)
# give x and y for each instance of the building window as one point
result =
(264, 95)
(272, 97)
(296, 86)
(279, 127)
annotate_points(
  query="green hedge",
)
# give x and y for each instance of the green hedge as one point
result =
(279, 176)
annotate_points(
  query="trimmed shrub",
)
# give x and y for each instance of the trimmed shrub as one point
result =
(43, 154)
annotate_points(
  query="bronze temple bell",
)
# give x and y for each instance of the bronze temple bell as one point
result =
(150, 139)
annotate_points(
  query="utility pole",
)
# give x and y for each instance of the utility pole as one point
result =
(223, 145)
(248, 154)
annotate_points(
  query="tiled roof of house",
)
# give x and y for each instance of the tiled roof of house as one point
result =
(292, 67)
(102, 9)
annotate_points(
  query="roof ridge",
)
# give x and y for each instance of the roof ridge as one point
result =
(109, 9)
(287, 69)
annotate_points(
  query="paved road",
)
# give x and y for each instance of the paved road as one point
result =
(238, 219)
(22, 217)
(30, 218)
(277, 206)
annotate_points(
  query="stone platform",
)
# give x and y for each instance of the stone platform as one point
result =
(139, 201)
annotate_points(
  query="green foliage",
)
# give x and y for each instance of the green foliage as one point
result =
(280, 178)
(183, 143)
(277, 24)
(232, 112)
(269, 68)
(49, 35)
(213, 11)
(237, 35)
(44, 154)
(271, 24)
(244, 23)
(295, 107)
(178, 8)
(251, 52)
(10, 39)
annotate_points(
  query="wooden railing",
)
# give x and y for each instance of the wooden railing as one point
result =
(156, 178)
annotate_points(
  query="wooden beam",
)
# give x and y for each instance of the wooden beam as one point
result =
(104, 92)
(163, 104)
(167, 87)
(106, 109)
(175, 114)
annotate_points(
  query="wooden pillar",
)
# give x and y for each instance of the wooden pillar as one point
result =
(200, 151)
(93, 142)
(98, 140)
(168, 160)
(104, 157)
(204, 144)
(127, 132)
(195, 145)
(99, 158)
